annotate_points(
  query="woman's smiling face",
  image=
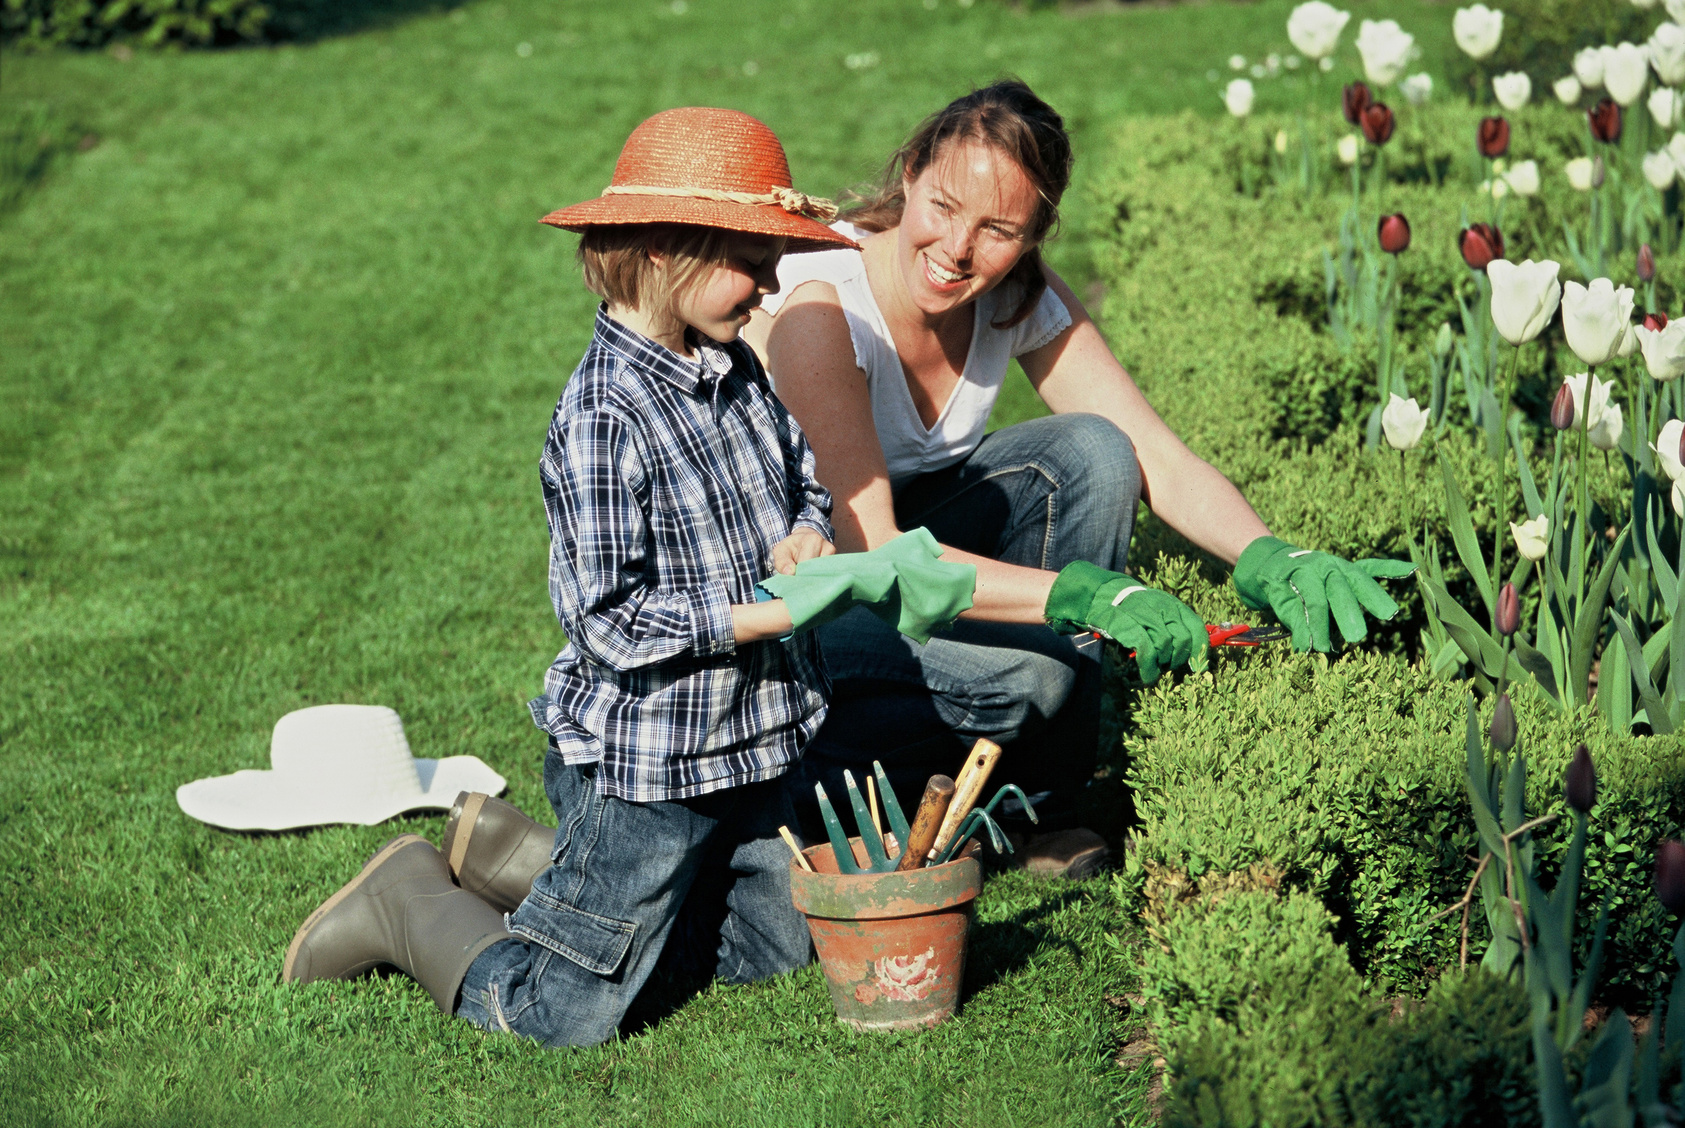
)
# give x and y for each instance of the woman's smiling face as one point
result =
(967, 222)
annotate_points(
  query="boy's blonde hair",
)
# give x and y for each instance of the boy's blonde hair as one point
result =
(618, 268)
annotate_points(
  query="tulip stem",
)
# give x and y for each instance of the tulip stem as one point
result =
(1404, 504)
(1503, 482)
(1585, 456)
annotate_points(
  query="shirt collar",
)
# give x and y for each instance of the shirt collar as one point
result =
(713, 361)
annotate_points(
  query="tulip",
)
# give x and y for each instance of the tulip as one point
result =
(1477, 30)
(1644, 5)
(1655, 322)
(1354, 99)
(1626, 68)
(1417, 89)
(1594, 317)
(1508, 618)
(1502, 733)
(1394, 233)
(1667, 53)
(1532, 538)
(1237, 96)
(1647, 273)
(1491, 137)
(1497, 189)
(1346, 150)
(1567, 90)
(1676, 149)
(1664, 106)
(1678, 497)
(1675, 10)
(1314, 28)
(1480, 244)
(1659, 170)
(1524, 297)
(1605, 431)
(1667, 448)
(1629, 342)
(1663, 345)
(1597, 171)
(1600, 407)
(1402, 423)
(1588, 67)
(1377, 122)
(1513, 90)
(1443, 340)
(1670, 876)
(1523, 178)
(1580, 784)
(1562, 408)
(1605, 119)
(1579, 173)
(1385, 48)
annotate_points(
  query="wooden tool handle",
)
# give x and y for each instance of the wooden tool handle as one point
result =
(972, 778)
(938, 793)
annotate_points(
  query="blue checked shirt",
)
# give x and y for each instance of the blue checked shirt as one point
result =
(667, 482)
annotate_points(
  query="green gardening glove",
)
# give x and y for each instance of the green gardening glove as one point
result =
(903, 583)
(1303, 587)
(1161, 629)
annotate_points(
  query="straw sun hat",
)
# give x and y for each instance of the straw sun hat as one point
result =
(335, 764)
(711, 168)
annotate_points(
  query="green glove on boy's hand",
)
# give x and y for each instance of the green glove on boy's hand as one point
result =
(1303, 586)
(903, 582)
(1161, 629)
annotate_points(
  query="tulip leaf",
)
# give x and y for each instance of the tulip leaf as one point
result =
(1480, 786)
(1637, 670)
(1676, 655)
(1529, 489)
(1492, 422)
(1477, 645)
(1614, 688)
(1656, 652)
(1588, 622)
(1462, 535)
(1667, 581)
(1535, 663)
(1445, 663)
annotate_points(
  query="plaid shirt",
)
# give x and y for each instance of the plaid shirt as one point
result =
(667, 482)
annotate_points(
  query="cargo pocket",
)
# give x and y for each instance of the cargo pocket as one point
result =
(596, 943)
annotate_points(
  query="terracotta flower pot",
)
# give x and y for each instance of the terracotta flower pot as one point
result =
(892, 944)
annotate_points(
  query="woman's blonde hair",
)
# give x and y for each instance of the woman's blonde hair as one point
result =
(1008, 117)
(615, 259)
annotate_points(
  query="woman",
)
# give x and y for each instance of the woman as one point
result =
(891, 358)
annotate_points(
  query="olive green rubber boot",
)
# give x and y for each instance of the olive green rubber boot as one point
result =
(404, 910)
(494, 850)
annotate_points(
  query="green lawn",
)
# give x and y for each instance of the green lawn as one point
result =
(276, 358)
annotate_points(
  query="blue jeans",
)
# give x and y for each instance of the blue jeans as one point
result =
(1043, 494)
(595, 923)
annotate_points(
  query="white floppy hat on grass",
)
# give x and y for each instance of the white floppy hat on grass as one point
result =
(335, 764)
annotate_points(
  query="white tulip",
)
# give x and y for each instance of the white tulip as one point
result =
(1629, 342)
(1281, 141)
(1645, 5)
(1477, 30)
(1514, 90)
(1567, 90)
(1679, 499)
(1532, 538)
(1626, 68)
(1666, 447)
(1579, 172)
(1664, 106)
(1594, 317)
(1385, 48)
(1523, 178)
(1667, 53)
(1524, 297)
(1664, 351)
(1605, 434)
(1346, 150)
(1402, 423)
(1659, 170)
(1315, 27)
(1237, 96)
(1588, 67)
(1676, 150)
(1675, 10)
(1417, 89)
(1497, 189)
(1600, 406)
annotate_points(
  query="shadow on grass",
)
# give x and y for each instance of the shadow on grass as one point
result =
(305, 21)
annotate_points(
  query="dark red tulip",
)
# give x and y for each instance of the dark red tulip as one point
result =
(1655, 322)
(1377, 122)
(1646, 264)
(1502, 732)
(1682, 447)
(1394, 233)
(1580, 786)
(1354, 99)
(1562, 408)
(1605, 118)
(1670, 875)
(1480, 244)
(1492, 137)
(1508, 617)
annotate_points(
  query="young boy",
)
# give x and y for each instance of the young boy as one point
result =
(674, 480)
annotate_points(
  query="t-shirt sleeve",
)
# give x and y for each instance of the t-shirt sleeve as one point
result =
(810, 266)
(1049, 319)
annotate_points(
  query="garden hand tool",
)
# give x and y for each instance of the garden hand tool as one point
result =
(977, 820)
(494, 850)
(927, 820)
(1303, 587)
(903, 582)
(967, 787)
(402, 909)
(1161, 629)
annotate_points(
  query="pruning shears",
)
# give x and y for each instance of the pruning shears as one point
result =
(1236, 634)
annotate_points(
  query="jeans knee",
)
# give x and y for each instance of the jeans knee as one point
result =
(1100, 458)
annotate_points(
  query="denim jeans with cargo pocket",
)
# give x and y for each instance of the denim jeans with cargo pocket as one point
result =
(590, 932)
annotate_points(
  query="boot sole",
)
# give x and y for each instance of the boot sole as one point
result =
(345, 891)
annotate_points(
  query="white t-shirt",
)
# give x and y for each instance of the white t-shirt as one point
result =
(909, 448)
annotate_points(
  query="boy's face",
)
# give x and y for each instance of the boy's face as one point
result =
(718, 305)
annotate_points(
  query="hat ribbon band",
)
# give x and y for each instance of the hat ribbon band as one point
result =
(798, 203)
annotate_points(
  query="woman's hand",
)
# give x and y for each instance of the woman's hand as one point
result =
(803, 544)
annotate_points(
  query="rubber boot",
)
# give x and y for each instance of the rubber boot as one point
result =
(404, 910)
(494, 850)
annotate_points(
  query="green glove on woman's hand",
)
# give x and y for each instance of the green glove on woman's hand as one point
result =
(1161, 629)
(1303, 587)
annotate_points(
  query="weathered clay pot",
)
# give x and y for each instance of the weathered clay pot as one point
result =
(892, 944)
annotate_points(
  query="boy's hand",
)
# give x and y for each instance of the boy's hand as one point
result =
(803, 544)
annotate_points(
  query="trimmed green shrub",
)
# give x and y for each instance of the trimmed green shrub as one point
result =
(90, 23)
